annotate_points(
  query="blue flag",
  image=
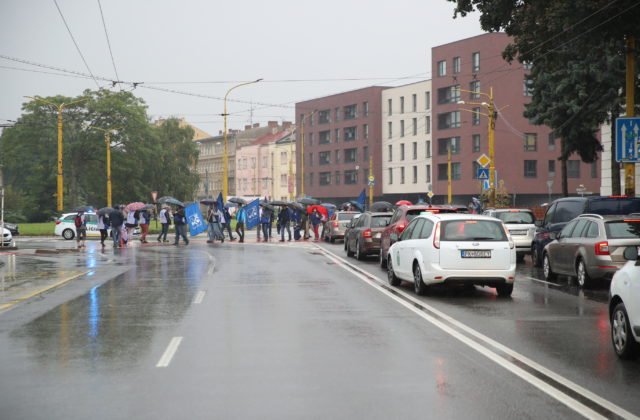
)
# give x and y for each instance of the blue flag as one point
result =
(220, 202)
(362, 198)
(252, 211)
(195, 220)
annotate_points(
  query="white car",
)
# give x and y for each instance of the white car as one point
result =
(624, 306)
(66, 227)
(453, 249)
(7, 238)
(521, 226)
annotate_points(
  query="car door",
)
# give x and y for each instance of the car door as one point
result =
(398, 250)
(423, 247)
(357, 231)
(92, 224)
(569, 247)
(408, 251)
(554, 248)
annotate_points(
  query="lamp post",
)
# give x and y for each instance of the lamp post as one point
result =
(491, 114)
(59, 107)
(225, 158)
(107, 142)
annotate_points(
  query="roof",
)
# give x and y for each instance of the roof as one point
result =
(271, 138)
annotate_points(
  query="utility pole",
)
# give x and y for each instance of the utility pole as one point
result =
(371, 180)
(492, 155)
(449, 172)
(1, 208)
(630, 167)
(302, 157)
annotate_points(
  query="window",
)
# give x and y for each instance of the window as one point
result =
(389, 107)
(552, 168)
(350, 112)
(455, 171)
(427, 147)
(365, 109)
(527, 87)
(415, 126)
(283, 158)
(350, 133)
(445, 143)
(415, 150)
(390, 176)
(402, 151)
(475, 142)
(350, 177)
(415, 174)
(474, 169)
(402, 104)
(390, 128)
(283, 179)
(449, 94)
(456, 65)
(311, 178)
(475, 116)
(552, 140)
(475, 62)
(449, 120)
(337, 178)
(427, 100)
(324, 116)
(350, 155)
(428, 169)
(594, 169)
(414, 103)
(310, 139)
(573, 169)
(324, 158)
(253, 163)
(530, 168)
(442, 68)
(402, 174)
(324, 178)
(390, 150)
(475, 88)
(530, 142)
(265, 161)
(427, 124)
(401, 128)
(310, 159)
(324, 137)
(365, 131)
(336, 135)
(336, 115)
(337, 155)
(365, 153)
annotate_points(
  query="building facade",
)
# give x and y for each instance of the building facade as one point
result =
(526, 155)
(406, 142)
(338, 143)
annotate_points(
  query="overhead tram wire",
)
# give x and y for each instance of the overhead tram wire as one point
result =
(104, 25)
(76, 44)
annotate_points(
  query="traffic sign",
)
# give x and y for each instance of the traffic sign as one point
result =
(483, 160)
(486, 185)
(628, 139)
(483, 173)
(371, 183)
(371, 178)
(430, 194)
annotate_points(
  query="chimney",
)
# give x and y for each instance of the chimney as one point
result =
(286, 125)
(273, 124)
(256, 125)
(220, 132)
(247, 127)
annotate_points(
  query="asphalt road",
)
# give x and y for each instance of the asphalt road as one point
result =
(291, 330)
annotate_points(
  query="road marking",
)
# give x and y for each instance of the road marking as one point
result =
(541, 281)
(171, 350)
(199, 297)
(565, 391)
(212, 264)
(14, 302)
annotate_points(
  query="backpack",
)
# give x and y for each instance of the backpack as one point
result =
(78, 221)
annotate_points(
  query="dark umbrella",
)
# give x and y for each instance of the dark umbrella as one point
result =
(83, 208)
(308, 201)
(170, 200)
(238, 200)
(267, 205)
(105, 211)
(295, 205)
(381, 206)
(278, 203)
(355, 204)
(227, 205)
(149, 206)
(328, 206)
(208, 201)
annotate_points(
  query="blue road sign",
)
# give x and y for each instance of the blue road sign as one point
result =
(628, 139)
(483, 173)
(485, 184)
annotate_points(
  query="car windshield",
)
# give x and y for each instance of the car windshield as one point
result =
(345, 216)
(472, 230)
(623, 229)
(380, 221)
(517, 217)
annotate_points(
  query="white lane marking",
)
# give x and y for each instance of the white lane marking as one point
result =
(171, 350)
(541, 281)
(212, 264)
(199, 297)
(543, 386)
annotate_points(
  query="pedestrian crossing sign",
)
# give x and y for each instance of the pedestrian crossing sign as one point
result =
(483, 173)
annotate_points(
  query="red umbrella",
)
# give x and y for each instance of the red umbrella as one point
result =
(404, 203)
(321, 210)
(135, 206)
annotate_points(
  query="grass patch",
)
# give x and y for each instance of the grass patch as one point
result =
(37, 229)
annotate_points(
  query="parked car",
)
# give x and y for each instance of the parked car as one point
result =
(563, 210)
(7, 238)
(13, 228)
(590, 247)
(402, 216)
(466, 249)
(624, 306)
(66, 227)
(521, 226)
(364, 237)
(334, 228)
(350, 226)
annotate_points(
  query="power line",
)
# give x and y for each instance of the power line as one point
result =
(75, 43)
(337, 79)
(104, 25)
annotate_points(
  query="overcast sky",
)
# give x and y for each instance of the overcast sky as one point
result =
(180, 45)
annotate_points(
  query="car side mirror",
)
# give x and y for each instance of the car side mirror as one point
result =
(555, 235)
(631, 253)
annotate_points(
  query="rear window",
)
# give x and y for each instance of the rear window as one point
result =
(411, 214)
(69, 218)
(472, 230)
(623, 229)
(345, 216)
(610, 205)
(380, 221)
(517, 217)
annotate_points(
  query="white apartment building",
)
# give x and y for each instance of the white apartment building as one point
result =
(406, 141)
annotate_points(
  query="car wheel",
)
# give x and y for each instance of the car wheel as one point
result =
(535, 256)
(359, 254)
(391, 275)
(383, 259)
(546, 268)
(418, 285)
(504, 290)
(583, 276)
(68, 234)
(348, 248)
(624, 344)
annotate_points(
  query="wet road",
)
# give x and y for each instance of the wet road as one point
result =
(292, 331)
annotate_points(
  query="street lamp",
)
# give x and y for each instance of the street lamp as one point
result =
(59, 107)
(225, 158)
(491, 114)
(107, 142)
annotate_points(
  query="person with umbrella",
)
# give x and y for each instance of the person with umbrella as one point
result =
(144, 218)
(226, 224)
(103, 225)
(165, 221)
(117, 219)
(265, 221)
(241, 219)
(213, 220)
(180, 221)
(315, 220)
(284, 221)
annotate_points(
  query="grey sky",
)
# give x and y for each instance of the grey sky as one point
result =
(162, 41)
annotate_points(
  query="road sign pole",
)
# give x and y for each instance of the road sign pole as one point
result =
(629, 167)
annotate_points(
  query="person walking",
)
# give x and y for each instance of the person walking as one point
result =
(131, 223)
(103, 226)
(117, 219)
(180, 221)
(304, 222)
(144, 225)
(165, 221)
(265, 221)
(241, 219)
(284, 221)
(227, 223)
(81, 229)
(213, 219)
(315, 219)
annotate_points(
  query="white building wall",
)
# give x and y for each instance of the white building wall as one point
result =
(394, 163)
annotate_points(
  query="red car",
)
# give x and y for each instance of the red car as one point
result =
(401, 218)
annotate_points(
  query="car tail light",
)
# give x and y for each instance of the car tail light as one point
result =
(511, 243)
(400, 227)
(58, 222)
(602, 248)
(335, 223)
(436, 236)
(367, 233)
(618, 196)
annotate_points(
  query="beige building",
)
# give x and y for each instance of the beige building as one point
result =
(406, 141)
(198, 134)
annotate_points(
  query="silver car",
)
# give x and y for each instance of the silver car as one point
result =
(521, 226)
(334, 228)
(590, 247)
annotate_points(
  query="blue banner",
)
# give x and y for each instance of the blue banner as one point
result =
(220, 202)
(196, 222)
(362, 199)
(252, 211)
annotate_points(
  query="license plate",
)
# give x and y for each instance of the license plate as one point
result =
(475, 253)
(378, 235)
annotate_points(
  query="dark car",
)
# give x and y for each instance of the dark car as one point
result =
(563, 210)
(335, 227)
(364, 237)
(12, 227)
(401, 218)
